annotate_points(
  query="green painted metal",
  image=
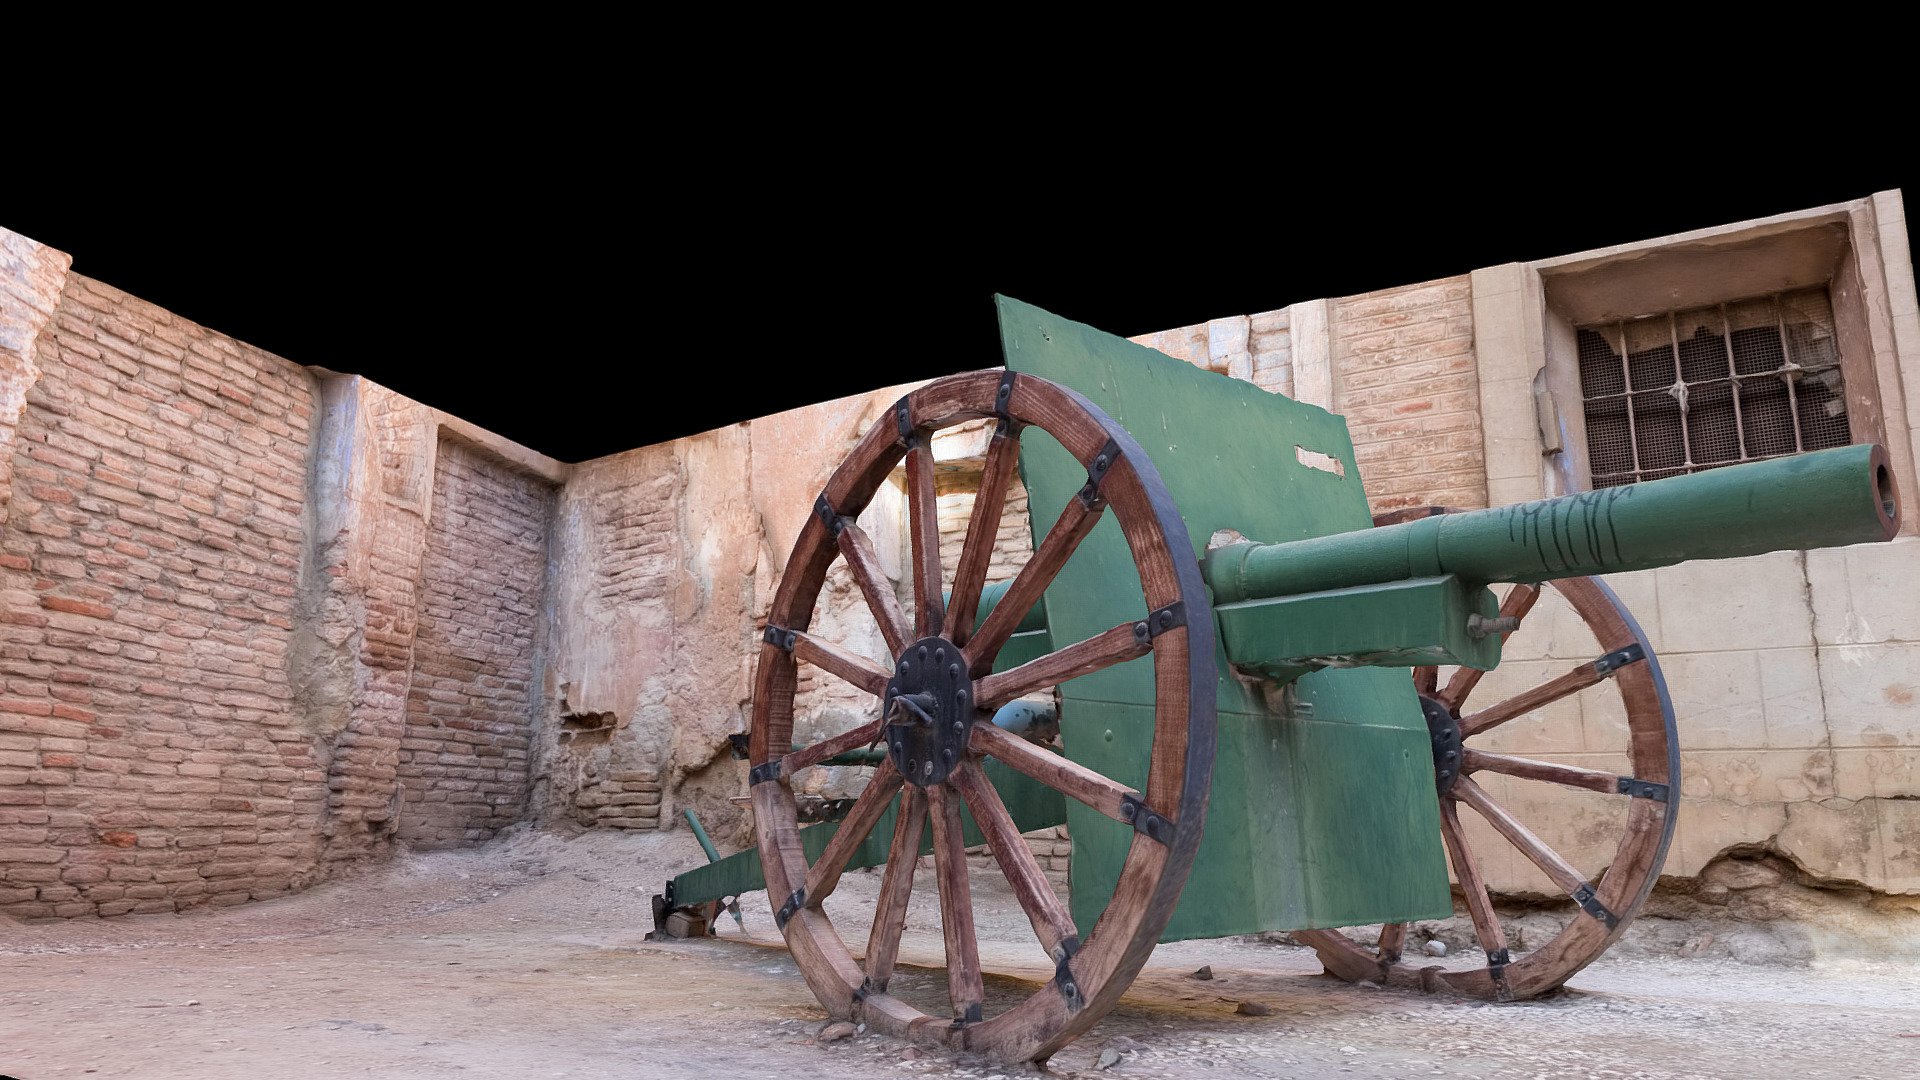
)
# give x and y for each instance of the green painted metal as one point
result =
(1322, 815)
(1033, 806)
(1821, 499)
(1414, 623)
(700, 834)
(990, 598)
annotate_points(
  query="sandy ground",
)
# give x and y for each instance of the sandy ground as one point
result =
(527, 959)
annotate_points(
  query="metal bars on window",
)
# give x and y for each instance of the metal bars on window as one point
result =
(1697, 388)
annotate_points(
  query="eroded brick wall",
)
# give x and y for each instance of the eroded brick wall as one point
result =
(463, 760)
(148, 755)
(1405, 379)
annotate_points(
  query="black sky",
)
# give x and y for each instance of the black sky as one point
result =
(584, 307)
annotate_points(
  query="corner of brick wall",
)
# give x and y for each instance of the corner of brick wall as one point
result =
(32, 276)
(464, 757)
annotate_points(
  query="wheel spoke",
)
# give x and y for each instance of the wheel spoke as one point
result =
(1124, 642)
(1393, 940)
(827, 656)
(1486, 921)
(1519, 601)
(1520, 704)
(1051, 923)
(890, 917)
(1529, 769)
(864, 735)
(1057, 771)
(982, 530)
(964, 985)
(857, 549)
(1424, 679)
(1559, 870)
(923, 525)
(825, 872)
(1075, 522)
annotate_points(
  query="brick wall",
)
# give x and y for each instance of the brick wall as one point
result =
(148, 757)
(463, 761)
(1405, 380)
(32, 276)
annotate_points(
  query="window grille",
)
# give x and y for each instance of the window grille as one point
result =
(1698, 388)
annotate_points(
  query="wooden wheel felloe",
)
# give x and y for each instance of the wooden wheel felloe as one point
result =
(1648, 794)
(933, 721)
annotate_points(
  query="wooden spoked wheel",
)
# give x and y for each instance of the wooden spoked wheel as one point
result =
(934, 713)
(1648, 795)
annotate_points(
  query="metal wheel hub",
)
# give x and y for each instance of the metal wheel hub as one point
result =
(929, 711)
(1445, 732)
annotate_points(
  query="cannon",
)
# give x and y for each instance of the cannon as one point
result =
(1195, 671)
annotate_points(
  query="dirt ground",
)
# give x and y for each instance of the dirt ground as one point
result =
(526, 959)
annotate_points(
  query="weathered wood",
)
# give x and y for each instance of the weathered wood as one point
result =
(896, 888)
(864, 735)
(1520, 600)
(1523, 703)
(864, 565)
(983, 530)
(1486, 921)
(825, 873)
(1641, 847)
(1054, 770)
(1424, 679)
(964, 985)
(923, 530)
(1393, 941)
(1081, 658)
(1550, 862)
(1051, 923)
(1074, 523)
(1528, 769)
(1178, 773)
(856, 670)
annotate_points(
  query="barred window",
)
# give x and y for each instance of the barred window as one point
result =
(1697, 388)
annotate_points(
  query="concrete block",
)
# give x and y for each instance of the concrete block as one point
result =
(1751, 603)
(1866, 593)
(1505, 491)
(1743, 777)
(1872, 693)
(1721, 699)
(1707, 828)
(1899, 844)
(1837, 841)
(1858, 773)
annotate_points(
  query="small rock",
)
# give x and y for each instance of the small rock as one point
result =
(1254, 1008)
(1435, 947)
(835, 1032)
(1124, 1044)
(1109, 1057)
(911, 1053)
(1349, 1049)
(1205, 974)
(1696, 944)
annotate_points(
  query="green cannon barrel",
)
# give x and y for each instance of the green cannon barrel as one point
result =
(1823, 499)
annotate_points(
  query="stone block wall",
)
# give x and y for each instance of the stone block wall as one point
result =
(463, 761)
